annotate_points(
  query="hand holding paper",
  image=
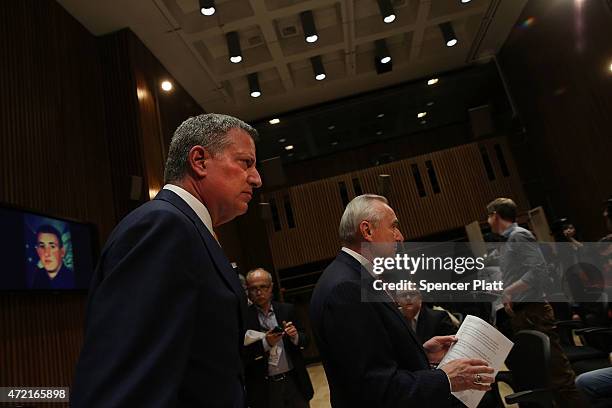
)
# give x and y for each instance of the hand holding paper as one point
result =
(483, 348)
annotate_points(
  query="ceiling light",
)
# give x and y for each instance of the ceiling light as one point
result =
(254, 85)
(331, 127)
(382, 52)
(421, 114)
(610, 67)
(308, 26)
(233, 46)
(448, 33)
(465, 1)
(386, 11)
(432, 81)
(274, 121)
(334, 143)
(380, 115)
(318, 68)
(207, 7)
(430, 103)
(166, 86)
(380, 132)
(283, 140)
(289, 147)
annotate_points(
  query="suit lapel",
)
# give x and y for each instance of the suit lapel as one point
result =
(361, 271)
(219, 259)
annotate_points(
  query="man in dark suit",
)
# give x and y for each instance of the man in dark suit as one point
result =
(426, 322)
(276, 375)
(371, 356)
(166, 312)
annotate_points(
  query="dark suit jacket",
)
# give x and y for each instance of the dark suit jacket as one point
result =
(256, 360)
(370, 354)
(433, 323)
(165, 316)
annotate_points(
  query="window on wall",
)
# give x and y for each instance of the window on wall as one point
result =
(357, 187)
(487, 163)
(289, 212)
(343, 193)
(416, 174)
(275, 217)
(502, 160)
(433, 177)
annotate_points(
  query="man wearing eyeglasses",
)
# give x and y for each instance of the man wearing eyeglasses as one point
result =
(275, 372)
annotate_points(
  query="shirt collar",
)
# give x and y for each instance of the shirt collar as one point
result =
(509, 230)
(261, 311)
(367, 265)
(196, 205)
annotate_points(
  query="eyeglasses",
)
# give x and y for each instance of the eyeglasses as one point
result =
(260, 288)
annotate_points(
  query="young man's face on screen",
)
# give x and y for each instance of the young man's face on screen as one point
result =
(49, 251)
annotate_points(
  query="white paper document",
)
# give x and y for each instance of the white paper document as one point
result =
(478, 339)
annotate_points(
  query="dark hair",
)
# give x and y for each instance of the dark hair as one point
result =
(504, 207)
(48, 229)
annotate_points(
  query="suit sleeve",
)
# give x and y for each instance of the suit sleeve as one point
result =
(357, 341)
(141, 316)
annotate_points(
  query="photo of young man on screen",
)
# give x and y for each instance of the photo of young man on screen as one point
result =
(51, 271)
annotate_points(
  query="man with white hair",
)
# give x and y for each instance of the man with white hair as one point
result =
(371, 356)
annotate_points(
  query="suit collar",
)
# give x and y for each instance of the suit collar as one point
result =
(196, 205)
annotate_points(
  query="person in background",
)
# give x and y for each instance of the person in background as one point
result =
(426, 322)
(526, 280)
(276, 375)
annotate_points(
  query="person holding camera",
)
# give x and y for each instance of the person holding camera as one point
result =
(275, 372)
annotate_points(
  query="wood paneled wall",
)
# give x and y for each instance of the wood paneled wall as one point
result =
(53, 152)
(558, 71)
(41, 339)
(72, 131)
(465, 190)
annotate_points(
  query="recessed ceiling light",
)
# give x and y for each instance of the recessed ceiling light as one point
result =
(451, 43)
(207, 7)
(465, 1)
(389, 19)
(421, 115)
(380, 132)
(432, 81)
(320, 77)
(385, 60)
(236, 59)
(166, 86)
(334, 143)
(283, 140)
(380, 115)
(289, 147)
(331, 127)
(610, 67)
(255, 94)
(274, 121)
(430, 103)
